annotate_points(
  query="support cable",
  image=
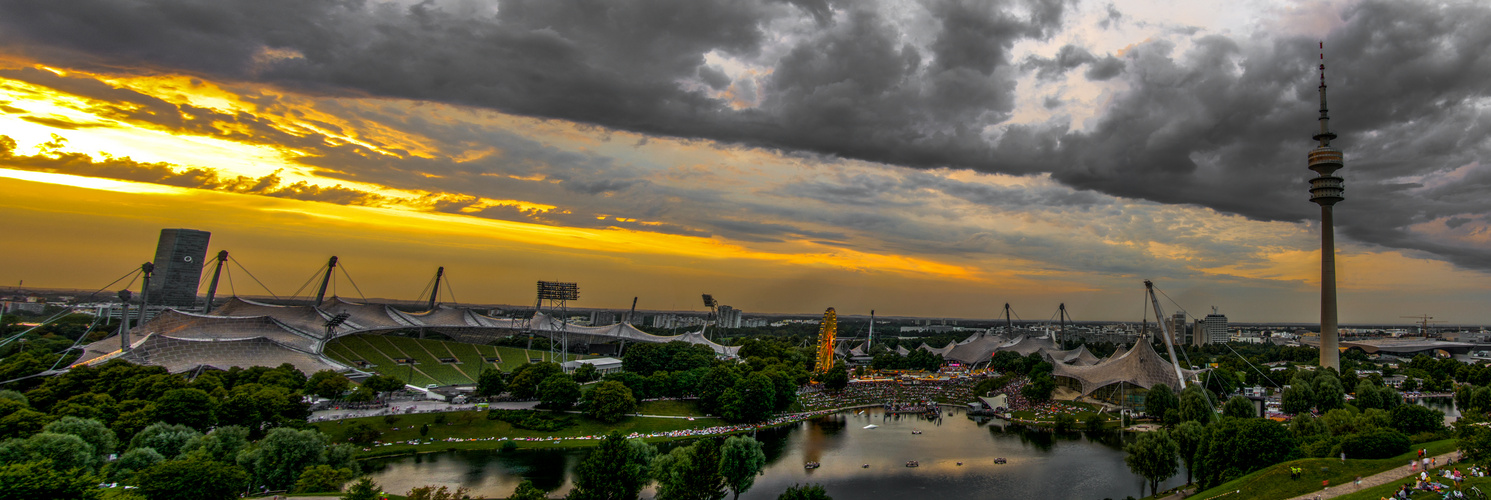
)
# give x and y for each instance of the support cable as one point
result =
(63, 353)
(354, 283)
(251, 275)
(308, 281)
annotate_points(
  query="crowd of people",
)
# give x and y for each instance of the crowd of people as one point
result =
(957, 391)
(681, 433)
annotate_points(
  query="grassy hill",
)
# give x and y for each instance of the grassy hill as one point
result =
(381, 350)
(1274, 482)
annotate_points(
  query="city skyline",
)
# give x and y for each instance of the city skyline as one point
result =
(929, 160)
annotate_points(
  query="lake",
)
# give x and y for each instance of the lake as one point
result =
(1041, 464)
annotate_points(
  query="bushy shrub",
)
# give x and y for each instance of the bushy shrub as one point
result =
(1375, 443)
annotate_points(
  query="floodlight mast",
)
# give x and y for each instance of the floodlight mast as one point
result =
(1165, 331)
(558, 294)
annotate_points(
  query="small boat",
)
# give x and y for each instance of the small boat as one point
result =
(865, 466)
(914, 431)
(999, 460)
(811, 465)
(872, 426)
(960, 464)
(913, 463)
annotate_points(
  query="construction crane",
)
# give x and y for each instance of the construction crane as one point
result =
(1423, 321)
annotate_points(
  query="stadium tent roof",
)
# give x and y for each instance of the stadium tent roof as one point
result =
(296, 334)
(938, 350)
(1140, 366)
(976, 349)
(902, 350)
(183, 341)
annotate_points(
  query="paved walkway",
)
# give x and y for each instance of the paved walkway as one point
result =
(1379, 479)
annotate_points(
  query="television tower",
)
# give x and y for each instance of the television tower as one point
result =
(1326, 190)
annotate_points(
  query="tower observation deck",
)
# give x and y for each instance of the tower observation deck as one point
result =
(1326, 190)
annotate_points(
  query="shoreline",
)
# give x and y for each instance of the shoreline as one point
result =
(589, 441)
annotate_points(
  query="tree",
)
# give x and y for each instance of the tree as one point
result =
(132, 461)
(442, 493)
(610, 401)
(618, 469)
(1159, 400)
(361, 433)
(328, 384)
(1413, 419)
(424, 430)
(222, 444)
(559, 392)
(1064, 422)
(527, 377)
(1329, 394)
(836, 378)
(1189, 437)
(92, 431)
(586, 373)
(66, 451)
(1152, 457)
(276, 461)
(322, 478)
(527, 491)
(40, 479)
(1194, 405)
(383, 383)
(751, 400)
(1095, 422)
(690, 473)
(1236, 446)
(490, 382)
(1375, 443)
(741, 459)
(191, 480)
(1040, 387)
(189, 407)
(1240, 407)
(719, 379)
(362, 489)
(168, 439)
(809, 492)
(1297, 399)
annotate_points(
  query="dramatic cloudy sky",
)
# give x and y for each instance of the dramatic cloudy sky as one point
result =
(935, 158)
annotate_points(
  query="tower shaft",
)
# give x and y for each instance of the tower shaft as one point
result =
(1330, 337)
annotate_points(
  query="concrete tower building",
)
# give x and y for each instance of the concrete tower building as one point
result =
(1326, 190)
(179, 257)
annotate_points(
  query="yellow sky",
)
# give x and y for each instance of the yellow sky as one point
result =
(74, 221)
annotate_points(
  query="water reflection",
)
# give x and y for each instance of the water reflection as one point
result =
(1040, 463)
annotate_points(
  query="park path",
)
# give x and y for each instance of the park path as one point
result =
(1379, 479)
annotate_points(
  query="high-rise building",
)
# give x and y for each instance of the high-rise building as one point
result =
(1178, 329)
(179, 257)
(1326, 190)
(729, 317)
(1215, 328)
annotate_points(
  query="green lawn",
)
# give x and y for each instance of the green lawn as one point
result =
(1274, 481)
(474, 424)
(381, 349)
(682, 408)
(380, 354)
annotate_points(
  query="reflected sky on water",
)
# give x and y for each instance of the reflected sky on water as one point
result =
(1041, 464)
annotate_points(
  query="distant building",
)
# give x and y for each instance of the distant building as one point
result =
(1215, 329)
(729, 317)
(179, 257)
(1178, 329)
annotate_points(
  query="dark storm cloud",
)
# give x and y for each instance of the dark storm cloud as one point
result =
(1223, 123)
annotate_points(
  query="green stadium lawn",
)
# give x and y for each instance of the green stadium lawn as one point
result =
(1274, 481)
(474, 425)
(381, 349)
